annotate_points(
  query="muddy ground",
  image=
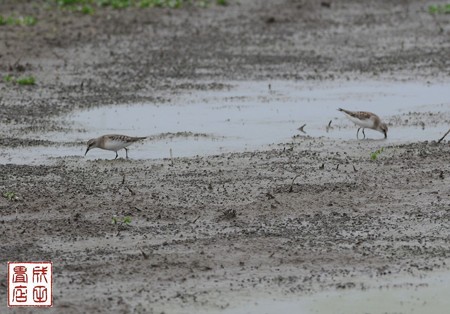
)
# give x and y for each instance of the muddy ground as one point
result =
(304, 216)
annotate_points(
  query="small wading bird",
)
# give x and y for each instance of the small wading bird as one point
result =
(113, 142)
(366, 120)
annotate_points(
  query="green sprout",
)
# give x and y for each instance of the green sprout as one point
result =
(87, 6)
(119, 4)
(146, 3)
(121, 220)
(439, 9)
(28, 20)
(174, 4)
(374, 155)
(9, 78)
(19, 21)
(11, 196)
(86, 9)
(27, 80)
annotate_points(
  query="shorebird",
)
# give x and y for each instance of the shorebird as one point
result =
(366, 120)
(113, 142)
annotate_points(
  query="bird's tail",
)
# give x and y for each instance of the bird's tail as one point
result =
(345, 111)
(139, 138)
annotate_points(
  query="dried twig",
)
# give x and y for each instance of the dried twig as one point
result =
(440, 140)
(328, 127)
(301, 129)
(228, 214)
(144, 255)
(14, 66)
(171, 157)
(292, 184)
(131, 191)
(270, 196)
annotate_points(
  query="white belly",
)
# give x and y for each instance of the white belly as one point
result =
(115, 145)
(368, 123)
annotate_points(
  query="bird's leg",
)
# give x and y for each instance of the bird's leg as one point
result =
(357, 132)
(117, 155)
(126, 152)
(364, 133)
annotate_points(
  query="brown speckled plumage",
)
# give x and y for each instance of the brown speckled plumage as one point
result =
(365, 119)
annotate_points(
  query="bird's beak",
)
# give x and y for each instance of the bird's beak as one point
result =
(385, 134)
(86, 151)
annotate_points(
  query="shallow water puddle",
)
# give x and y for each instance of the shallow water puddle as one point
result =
(252, 116)
(400, 296)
